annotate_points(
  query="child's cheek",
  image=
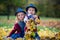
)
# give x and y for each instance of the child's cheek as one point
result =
(29, 12)
(18, 17)
(34, 12)
(22, 17)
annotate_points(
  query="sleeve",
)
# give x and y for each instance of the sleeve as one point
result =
(25, 19)
(25, 28)
(13, 31)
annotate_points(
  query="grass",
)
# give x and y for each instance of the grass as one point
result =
(9, 23)
(42, 18)
(48, 28)
(49, 18)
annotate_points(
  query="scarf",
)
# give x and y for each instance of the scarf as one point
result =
(22, 25)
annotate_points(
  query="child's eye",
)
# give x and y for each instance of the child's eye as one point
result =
(18, 15)
(29, 9)
(32, 10)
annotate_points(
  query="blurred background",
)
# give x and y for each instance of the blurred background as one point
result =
(48, 10)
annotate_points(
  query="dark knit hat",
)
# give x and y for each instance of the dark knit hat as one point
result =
(20, 10)
(31, 6)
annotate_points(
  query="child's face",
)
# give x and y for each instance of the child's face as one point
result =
(31, 11)
(20, 16)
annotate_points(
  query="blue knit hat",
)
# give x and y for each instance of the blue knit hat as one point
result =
(31, 6)
(20, 10)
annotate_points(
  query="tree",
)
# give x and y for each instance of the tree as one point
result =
(12, 4)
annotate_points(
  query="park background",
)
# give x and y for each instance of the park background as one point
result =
(48, 10)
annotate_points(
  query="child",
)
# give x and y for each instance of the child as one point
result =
(31, 13)
(18, 30)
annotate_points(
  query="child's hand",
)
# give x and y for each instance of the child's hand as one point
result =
(35, 16)
(16, 21)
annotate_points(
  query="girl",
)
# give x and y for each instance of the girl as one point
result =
(18, 30)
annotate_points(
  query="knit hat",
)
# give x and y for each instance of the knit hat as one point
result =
(20, 10)
(31, 6)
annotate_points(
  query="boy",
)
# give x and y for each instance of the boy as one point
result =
(31, 11)
(31, 14)
(18, 30)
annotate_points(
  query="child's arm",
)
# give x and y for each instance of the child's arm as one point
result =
(25, 29)
(13, 31)
(25, 19)
(36, 16)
